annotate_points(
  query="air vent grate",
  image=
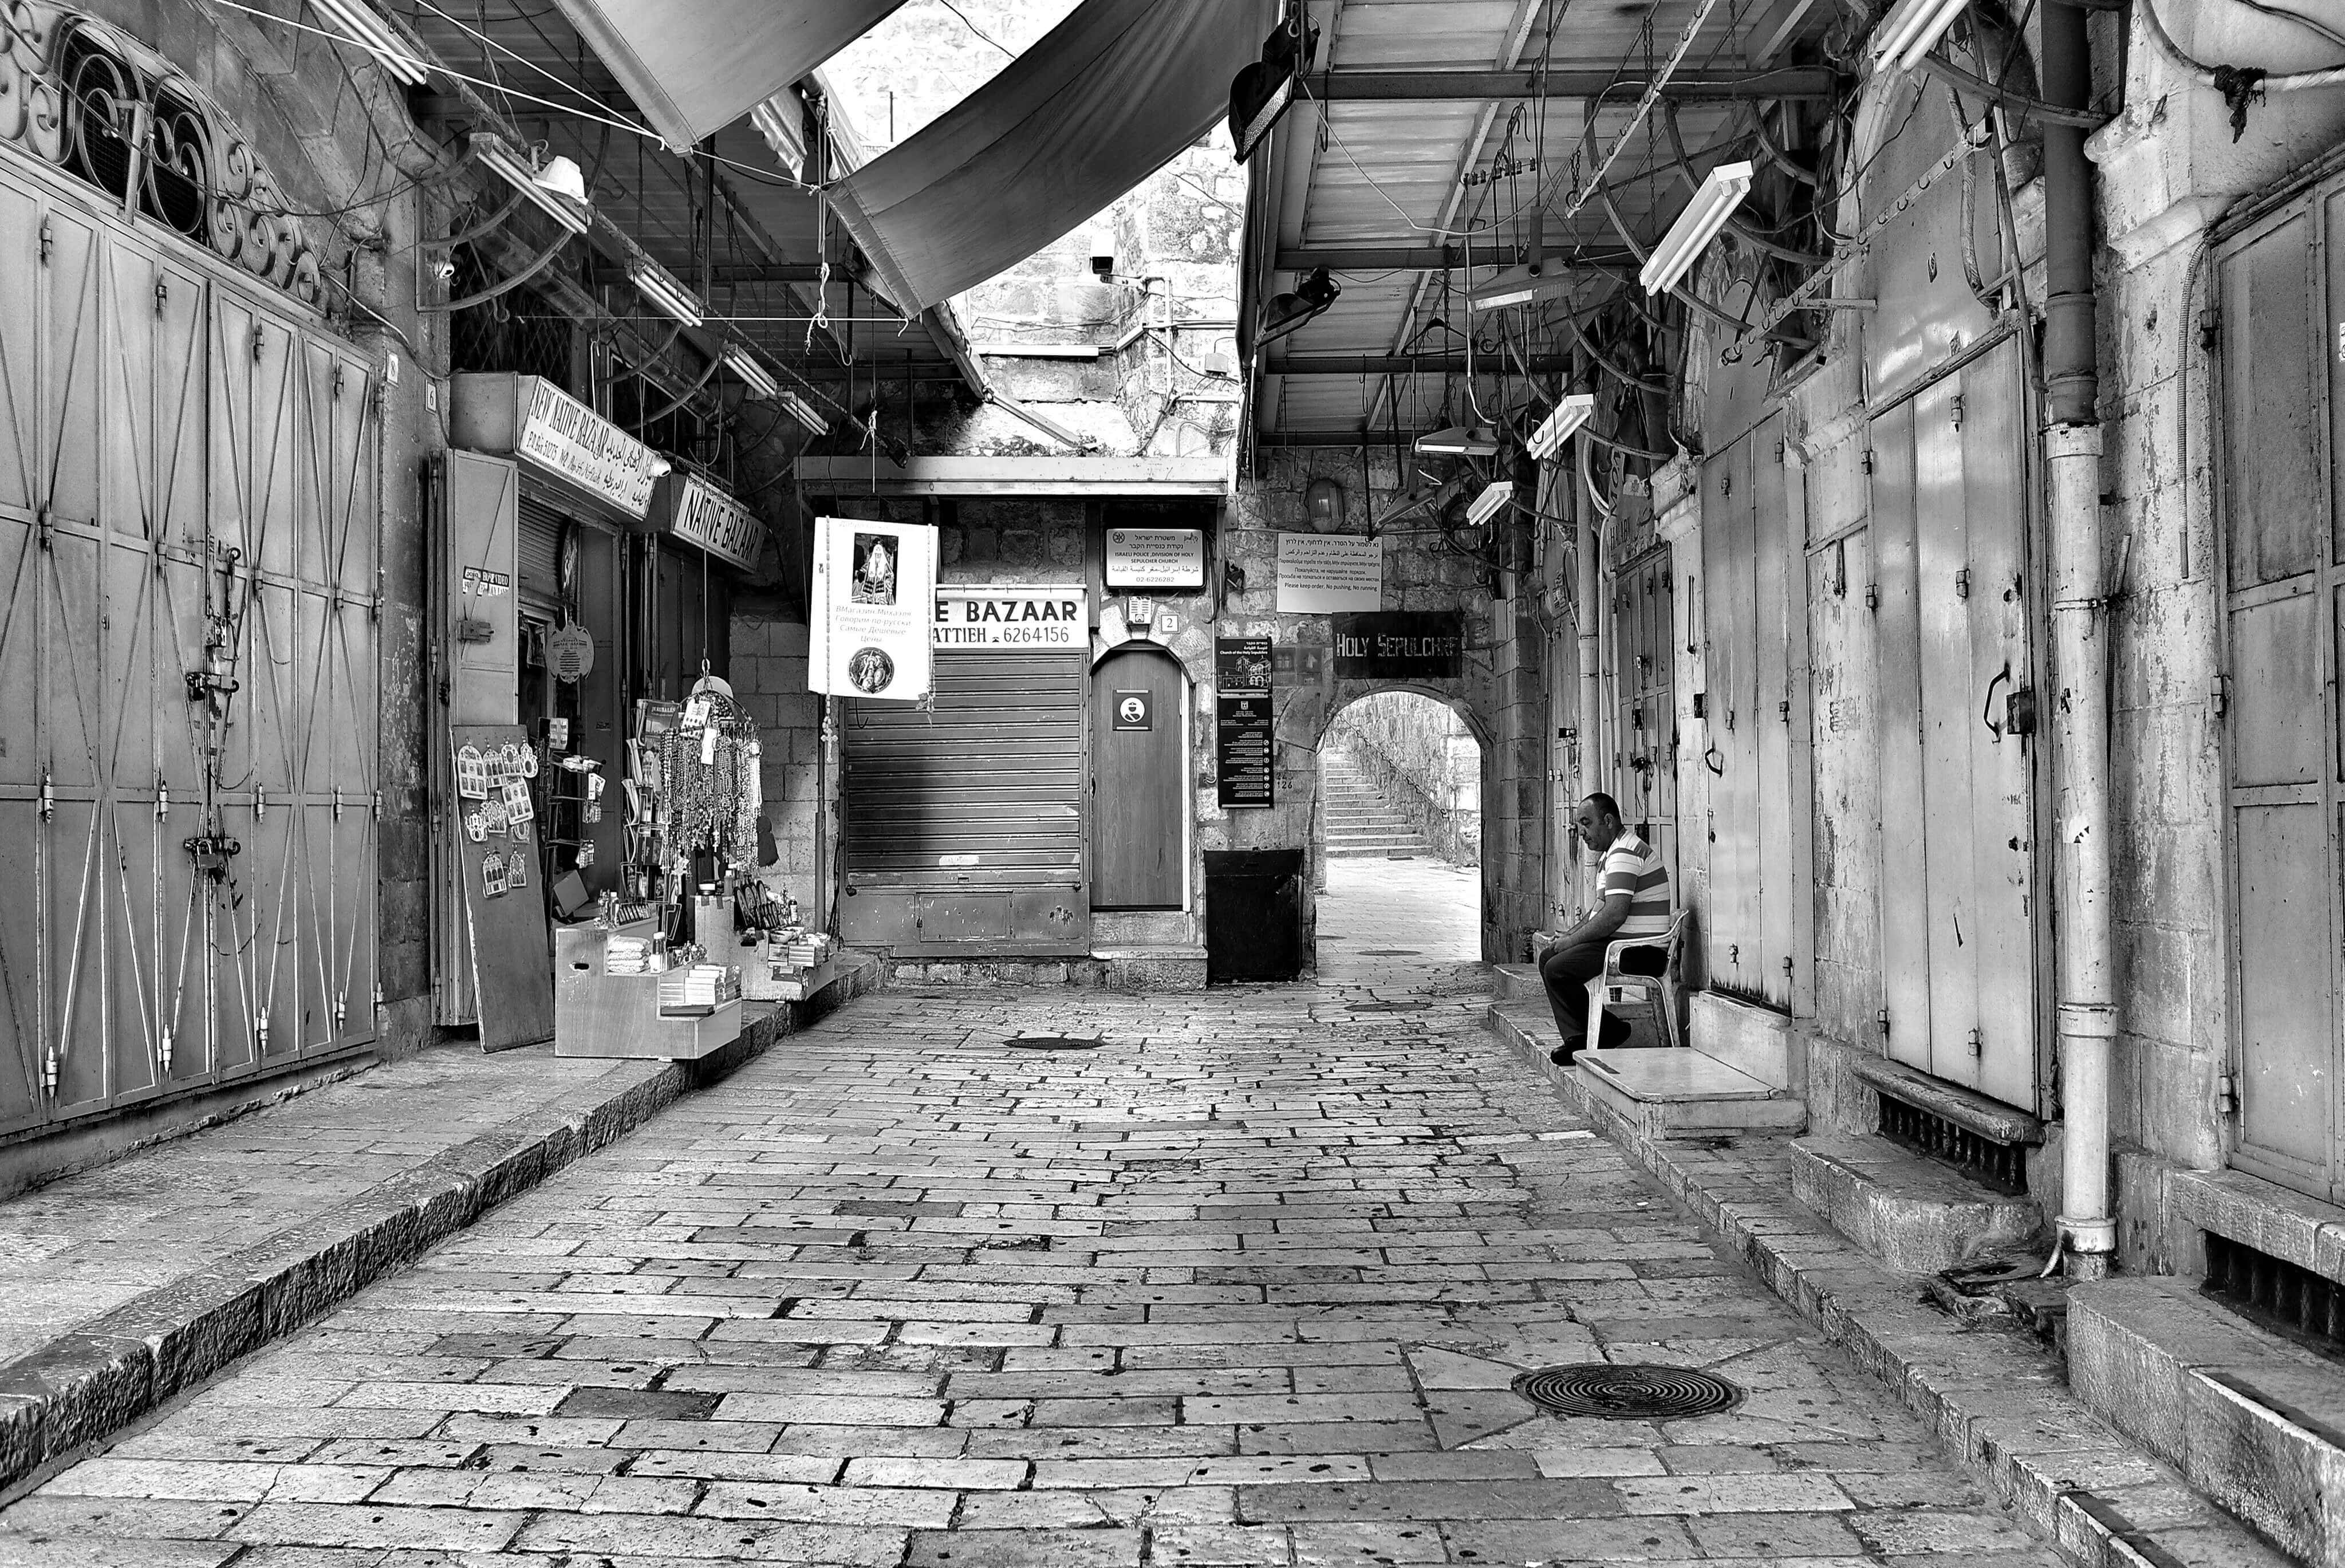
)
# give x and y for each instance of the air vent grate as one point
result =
(2003, 1166)
(1611, 1392)
(2277, 1293)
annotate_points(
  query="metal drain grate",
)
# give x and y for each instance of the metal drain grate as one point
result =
(2003, 1166)
(1053, 1043)
(2276, 1292)
(1391, 953)
(1613, 1391)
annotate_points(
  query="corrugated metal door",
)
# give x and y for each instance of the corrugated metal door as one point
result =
(1954, 641)
(1647, 722)
(2285, 608)
(1755, 896)
(964, 817)
(187, 484)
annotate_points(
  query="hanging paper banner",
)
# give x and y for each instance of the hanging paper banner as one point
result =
(874, 591)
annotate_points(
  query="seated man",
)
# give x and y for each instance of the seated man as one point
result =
(1635, 888)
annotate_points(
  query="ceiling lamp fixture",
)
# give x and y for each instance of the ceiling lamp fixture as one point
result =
(658, 285)
(1287, 312)
(1912, 31)
(1722, 190)
(371, 33)
(798, 408)
(756, 377)
(1457, 441)
(558, 189)
(781, 120)
(1576, 409)
(1494, 499)
(1549, 279)
(1262, 92)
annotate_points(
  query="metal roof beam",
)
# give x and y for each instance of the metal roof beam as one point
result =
(1687, 86)
(1429, 259)
(1404, 364)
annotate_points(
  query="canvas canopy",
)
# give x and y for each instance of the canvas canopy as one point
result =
(1100, 104)
(696, 69)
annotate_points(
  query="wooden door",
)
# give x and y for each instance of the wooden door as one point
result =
(1140, 777)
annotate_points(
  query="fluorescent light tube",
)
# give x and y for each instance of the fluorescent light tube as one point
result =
(659, 286)
(494, 153)
(1576, 409)
(1722, 190)
(1494, 499)
(1912, 31)
(1458, 442)
(798, 408)
(755, 376)
(781, 120)
(370, 32)
(1521, 285)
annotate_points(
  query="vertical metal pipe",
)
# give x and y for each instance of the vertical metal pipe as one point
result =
(2087, 1008)
(1588, 598)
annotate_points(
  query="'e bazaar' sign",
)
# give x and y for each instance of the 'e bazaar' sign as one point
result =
(1019, 619)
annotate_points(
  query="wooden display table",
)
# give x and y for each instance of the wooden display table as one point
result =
(599, 1014)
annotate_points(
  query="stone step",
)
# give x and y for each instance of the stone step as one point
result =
(1666, 1092)
(2254, 1420)
(1914, 1213)
(1518, 982)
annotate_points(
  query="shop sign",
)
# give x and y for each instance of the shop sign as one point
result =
(1329, 574)
(1401, 645)
(704, 516)
(875, 598)
(1005, 619)
(1155, 558)
(559, 433)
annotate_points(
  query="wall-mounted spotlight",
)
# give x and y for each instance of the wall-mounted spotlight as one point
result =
(1722, 190)
(1323, 499)
(1262, 92)
(1285, 312)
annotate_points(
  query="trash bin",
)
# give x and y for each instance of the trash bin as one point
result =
(1253, 915)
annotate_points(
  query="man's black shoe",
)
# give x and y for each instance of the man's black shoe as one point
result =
(1562, 1054)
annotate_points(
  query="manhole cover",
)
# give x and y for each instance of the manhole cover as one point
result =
(1054, 1042)
(1391, 953)
(1610, 1391)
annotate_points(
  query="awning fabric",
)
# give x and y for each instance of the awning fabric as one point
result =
(1106, 99)
(696, 69)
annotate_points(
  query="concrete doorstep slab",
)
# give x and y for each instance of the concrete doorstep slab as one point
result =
(97, 1374)
(2000, 1400)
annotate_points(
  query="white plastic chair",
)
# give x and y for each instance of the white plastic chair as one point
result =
(1649, 1004)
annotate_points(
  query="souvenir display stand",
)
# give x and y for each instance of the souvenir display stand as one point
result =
(655, 975)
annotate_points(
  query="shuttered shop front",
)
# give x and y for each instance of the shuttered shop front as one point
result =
(964, 818)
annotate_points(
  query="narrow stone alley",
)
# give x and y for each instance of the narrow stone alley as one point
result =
(1247, 1282)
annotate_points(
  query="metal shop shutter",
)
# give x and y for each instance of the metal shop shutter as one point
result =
(540, 565)
(964, 820)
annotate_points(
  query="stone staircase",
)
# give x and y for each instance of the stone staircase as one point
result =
(1360, 821)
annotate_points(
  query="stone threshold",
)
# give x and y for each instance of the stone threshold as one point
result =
(98, 1376)
(1999, 1400)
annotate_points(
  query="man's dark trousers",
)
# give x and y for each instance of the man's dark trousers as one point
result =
(1567, 970)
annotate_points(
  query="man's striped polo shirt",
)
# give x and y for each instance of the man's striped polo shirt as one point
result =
(1634, 867)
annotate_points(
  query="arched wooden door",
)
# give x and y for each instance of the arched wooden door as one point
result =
(1139, 771)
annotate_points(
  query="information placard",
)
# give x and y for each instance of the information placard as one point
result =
(1155, 558)
(1328, 574)
(1244, 750)
(1243, 664)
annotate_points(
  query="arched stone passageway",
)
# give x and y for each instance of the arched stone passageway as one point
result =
(1397, 837)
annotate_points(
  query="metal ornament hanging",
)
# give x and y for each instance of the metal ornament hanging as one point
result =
(570, 653)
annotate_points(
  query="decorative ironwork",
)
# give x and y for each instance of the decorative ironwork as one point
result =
(85, 97)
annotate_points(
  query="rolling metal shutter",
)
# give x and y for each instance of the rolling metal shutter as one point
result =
(540, 567)
(964, 820)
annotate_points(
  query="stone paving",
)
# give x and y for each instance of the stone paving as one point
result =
(1247, 1284)
(78, 1248)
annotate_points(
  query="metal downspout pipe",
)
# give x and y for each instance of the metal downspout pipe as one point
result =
(2088, 1005)
(1588, 594)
